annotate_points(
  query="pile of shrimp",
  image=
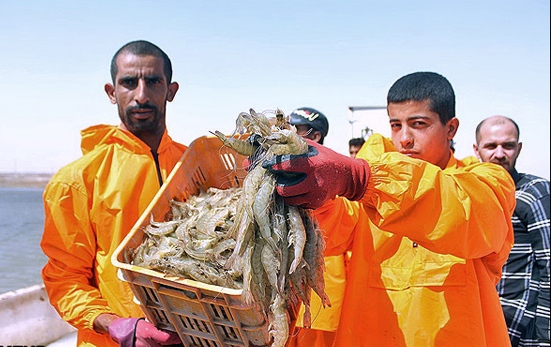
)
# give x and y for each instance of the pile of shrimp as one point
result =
(279, 246)
(194, 243)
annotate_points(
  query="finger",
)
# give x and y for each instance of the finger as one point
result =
(304, 201)
(166, 338)
(288, 163)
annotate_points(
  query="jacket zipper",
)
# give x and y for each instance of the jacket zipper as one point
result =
(157, 166)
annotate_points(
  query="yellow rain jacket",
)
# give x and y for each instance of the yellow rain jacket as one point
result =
(427, 248)
(90, 206)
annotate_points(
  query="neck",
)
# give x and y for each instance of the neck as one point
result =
(152, 140)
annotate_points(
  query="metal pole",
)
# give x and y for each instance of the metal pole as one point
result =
(352, 126)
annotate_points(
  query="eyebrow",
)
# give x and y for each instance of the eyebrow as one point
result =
(495, 143)
(132, 76)
(416, 117)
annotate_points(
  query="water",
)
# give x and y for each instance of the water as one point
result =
(21, 223)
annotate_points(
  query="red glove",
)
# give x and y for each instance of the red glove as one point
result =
(309, 180)
(137, 332)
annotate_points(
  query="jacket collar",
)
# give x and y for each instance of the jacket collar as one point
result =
(100, 135)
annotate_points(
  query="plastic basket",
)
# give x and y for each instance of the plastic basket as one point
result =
(201, 314)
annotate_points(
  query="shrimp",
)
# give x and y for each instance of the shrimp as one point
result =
(279, 326)
(261, 206)
(313, 253)
(297, 236)
(161, 228)
(271, 265)
(209, 221)
(258, 287)
(303, 291)
(248, 274)
(260, 122)
(286, 141)
(242, 147)
(280, 229)
(244, 235)
(282, 121)
(220, 248)
(251, 185)
(242, 123)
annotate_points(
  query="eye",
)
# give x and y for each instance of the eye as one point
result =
(153, 81)
(128, 82)
(395, 126)
(418, 124)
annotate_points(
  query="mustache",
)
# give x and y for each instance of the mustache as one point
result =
(145, 106)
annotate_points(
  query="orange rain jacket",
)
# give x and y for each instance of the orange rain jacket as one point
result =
(325, 320)
(90, 206)
(427, 247)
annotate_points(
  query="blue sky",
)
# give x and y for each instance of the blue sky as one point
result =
(229, 56)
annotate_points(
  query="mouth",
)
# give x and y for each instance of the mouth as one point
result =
(408, 153)
(141, 113)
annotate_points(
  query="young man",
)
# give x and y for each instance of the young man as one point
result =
(432, 234)
(524, 288)
(91, 204)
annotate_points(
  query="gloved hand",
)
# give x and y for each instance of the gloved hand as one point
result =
(309, 180)
(137, 332)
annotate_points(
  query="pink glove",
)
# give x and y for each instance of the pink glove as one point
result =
(309, 180)
(137, 332)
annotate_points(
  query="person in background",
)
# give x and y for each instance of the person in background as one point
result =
(524, 287)
(312, 124)
(91, 204)
(354, 146)
(431, 234)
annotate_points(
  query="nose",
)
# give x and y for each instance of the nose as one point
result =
(499, 152)
(406, 140)
(141, 95)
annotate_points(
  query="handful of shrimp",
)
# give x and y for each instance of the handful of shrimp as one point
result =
(278, 247)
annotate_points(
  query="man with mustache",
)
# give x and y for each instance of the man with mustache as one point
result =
(524, 287)
(91, 204)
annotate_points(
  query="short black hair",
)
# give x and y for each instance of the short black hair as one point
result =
(356, 142)
(142, 47)
(421, 86)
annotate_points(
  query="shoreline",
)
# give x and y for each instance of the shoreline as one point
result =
(24, 180)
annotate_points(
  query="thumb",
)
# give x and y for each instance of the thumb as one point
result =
(148, 331)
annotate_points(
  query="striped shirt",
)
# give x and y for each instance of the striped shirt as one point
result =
(524, 287)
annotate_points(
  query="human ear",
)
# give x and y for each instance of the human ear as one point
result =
(110, 91)
(475, 149)
(316, 136)
(452, 125)
(172, 89)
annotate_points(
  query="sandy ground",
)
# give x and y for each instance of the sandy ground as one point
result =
(25, 180)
